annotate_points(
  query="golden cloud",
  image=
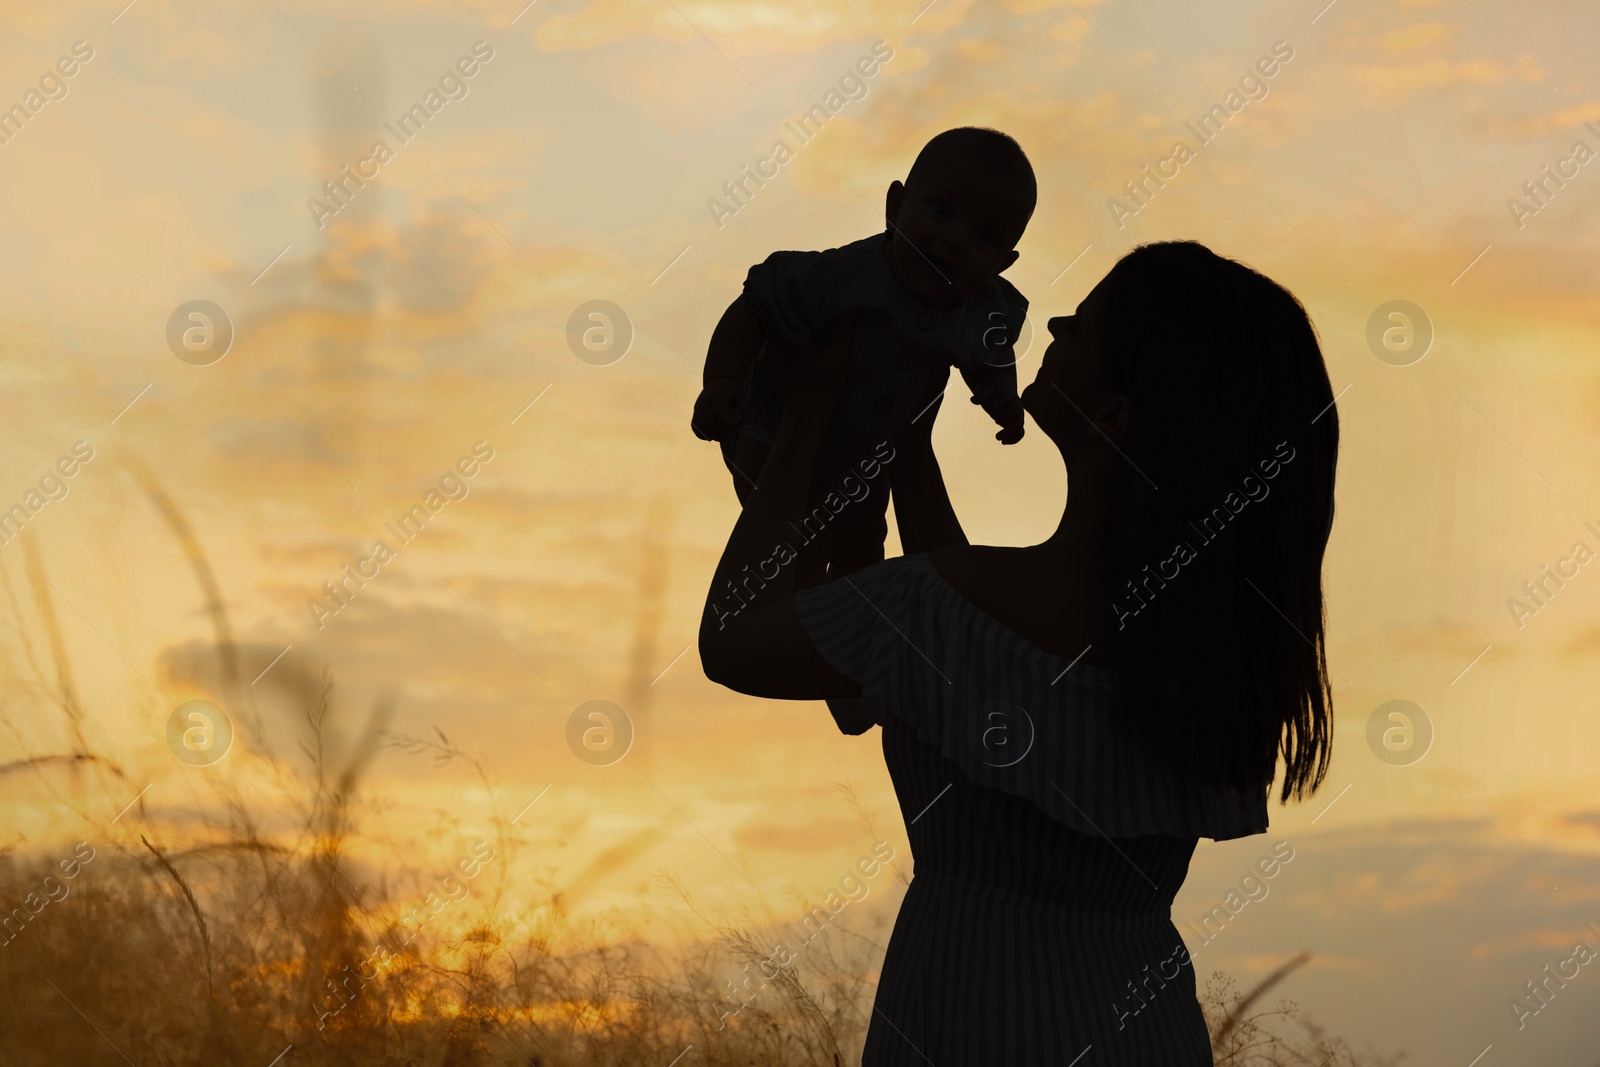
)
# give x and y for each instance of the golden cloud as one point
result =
(736, 27)
(1444, 74)
(1566, 119)
(1416, 36)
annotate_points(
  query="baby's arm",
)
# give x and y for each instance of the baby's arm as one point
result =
(723, 403)
(995, 387)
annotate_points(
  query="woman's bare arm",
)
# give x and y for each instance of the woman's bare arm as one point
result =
(751, 639)
(922, 508)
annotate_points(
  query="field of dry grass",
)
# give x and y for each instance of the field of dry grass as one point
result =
(201, 938)
(243, 951)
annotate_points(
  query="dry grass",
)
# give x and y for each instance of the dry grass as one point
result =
(206, 941)
(233, 950)
(232, 953)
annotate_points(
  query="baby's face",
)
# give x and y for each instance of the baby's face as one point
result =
(954, 230)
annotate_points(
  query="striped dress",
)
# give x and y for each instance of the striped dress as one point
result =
(1038, 926)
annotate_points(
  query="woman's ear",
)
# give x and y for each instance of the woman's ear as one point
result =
(1112, 414)
(891, 202)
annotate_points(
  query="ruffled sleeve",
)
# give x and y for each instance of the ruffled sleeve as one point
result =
(1010, 716)
(991, 324)
(855, 715)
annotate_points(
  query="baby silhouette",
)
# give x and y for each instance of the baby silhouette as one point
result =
(923, 296)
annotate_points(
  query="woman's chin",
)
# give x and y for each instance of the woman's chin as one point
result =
(1043, 420)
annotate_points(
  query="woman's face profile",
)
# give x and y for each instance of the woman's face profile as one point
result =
(1067, 392)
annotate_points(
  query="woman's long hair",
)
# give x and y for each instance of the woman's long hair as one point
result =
(1219, 519)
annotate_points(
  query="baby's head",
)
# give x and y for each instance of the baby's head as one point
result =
(955, 223)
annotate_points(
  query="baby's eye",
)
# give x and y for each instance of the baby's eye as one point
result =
(986, 236)
(941, 208)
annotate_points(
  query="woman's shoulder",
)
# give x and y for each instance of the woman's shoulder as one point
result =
(980, 570)
(959, 679)
(894, 571)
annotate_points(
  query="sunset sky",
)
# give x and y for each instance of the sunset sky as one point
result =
(375, 347)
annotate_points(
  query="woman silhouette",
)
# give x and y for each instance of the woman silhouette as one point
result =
(1063, 722)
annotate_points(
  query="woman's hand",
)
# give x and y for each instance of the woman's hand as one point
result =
(922, 507)
(750, 634)
(811, 378)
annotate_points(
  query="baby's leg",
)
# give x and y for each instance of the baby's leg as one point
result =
(745, 457)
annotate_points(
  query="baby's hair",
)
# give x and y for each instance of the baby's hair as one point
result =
(997, 152)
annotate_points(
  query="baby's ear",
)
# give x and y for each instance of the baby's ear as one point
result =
(891, 201)
(1011, 257)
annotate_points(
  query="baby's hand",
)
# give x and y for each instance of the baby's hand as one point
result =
(995, 388)
(719, 409)
(1005, 411)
